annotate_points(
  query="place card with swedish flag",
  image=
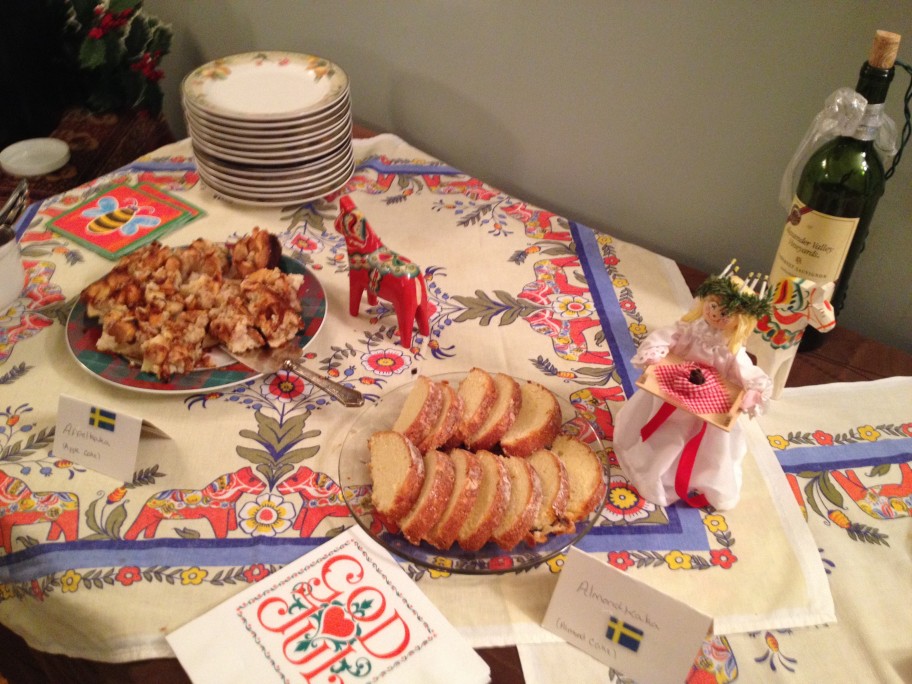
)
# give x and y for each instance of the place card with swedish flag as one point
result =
(639, 631)
(99, 437)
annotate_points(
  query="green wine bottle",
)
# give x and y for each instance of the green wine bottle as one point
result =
(837, 193)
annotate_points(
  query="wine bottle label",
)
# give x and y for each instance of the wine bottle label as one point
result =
(813, 245)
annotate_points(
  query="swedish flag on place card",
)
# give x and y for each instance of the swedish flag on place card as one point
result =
(641, 632)
(344, 612)
(100, 418)
(624, 634)
(99, 437)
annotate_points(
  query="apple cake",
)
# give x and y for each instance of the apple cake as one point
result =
(163, 308)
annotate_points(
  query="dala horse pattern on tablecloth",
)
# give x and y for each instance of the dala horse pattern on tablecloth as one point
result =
(797, 303)
(567, 317)
(321, 498)
(216, 503)
(537, 223)
(565, 314)
(882, 501)
(381, 272)
(19, 505)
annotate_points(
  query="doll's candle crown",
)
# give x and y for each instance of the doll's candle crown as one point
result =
(749, 296)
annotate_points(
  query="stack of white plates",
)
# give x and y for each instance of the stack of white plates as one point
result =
(270, 128)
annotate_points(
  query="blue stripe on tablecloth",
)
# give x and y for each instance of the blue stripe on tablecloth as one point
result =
(685, 531)
(614, 322)
(857, 455)
(376, 163)
(385, 166)
(157, 165)
(25, 219)
(46, 559)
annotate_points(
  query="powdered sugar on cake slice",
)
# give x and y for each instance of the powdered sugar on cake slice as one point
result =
(439, 476)
(584, 470)
(507, 401)
(492, 499)
(468, 476)
(420, 410)
(555, 485)
(397, 473)
(525, 499)
(537, 423)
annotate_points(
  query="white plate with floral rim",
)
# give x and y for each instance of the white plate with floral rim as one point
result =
(259, 129)
(277, 183)
(289, 154)
(279, 171)
(265, 86)
(316, 136)
(261, 199)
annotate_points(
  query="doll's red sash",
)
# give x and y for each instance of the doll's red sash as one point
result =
(688, 456)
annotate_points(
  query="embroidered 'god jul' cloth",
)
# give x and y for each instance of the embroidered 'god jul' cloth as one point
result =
(346, 607)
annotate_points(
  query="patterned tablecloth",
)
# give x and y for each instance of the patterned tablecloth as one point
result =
(514, 288)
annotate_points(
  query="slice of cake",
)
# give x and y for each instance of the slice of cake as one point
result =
(477, 392)
(507, 401)
(447, 419)
(525, 500)
(468, 475)
(397, 474)
(419, 411)
(439, 476)
(536, 424)
(584, 470)
(490, 503)
(555, 486)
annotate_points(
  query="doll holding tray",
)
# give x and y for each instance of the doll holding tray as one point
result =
(669, 439)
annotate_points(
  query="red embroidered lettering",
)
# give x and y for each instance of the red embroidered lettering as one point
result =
(389, 639)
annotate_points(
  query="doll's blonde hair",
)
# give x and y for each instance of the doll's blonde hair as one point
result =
(739, 327)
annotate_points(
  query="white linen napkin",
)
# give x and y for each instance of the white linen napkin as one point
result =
(346, 606)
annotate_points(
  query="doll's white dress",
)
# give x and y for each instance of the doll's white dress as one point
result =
(651, 464)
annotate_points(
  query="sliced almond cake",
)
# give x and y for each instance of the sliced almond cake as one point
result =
(489, 467)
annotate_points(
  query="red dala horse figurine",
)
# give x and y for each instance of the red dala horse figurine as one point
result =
(382, 273)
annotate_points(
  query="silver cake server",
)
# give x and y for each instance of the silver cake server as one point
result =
(288, 357)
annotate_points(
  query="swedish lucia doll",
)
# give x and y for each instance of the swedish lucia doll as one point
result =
(669, 452)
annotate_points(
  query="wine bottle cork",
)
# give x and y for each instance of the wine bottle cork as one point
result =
(884, 49)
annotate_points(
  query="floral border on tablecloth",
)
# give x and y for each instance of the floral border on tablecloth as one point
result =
(825, 471)
(826, 487)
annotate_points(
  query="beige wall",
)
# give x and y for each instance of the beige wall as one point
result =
(665, 123)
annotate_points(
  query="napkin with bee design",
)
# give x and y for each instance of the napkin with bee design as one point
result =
(120, 218)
